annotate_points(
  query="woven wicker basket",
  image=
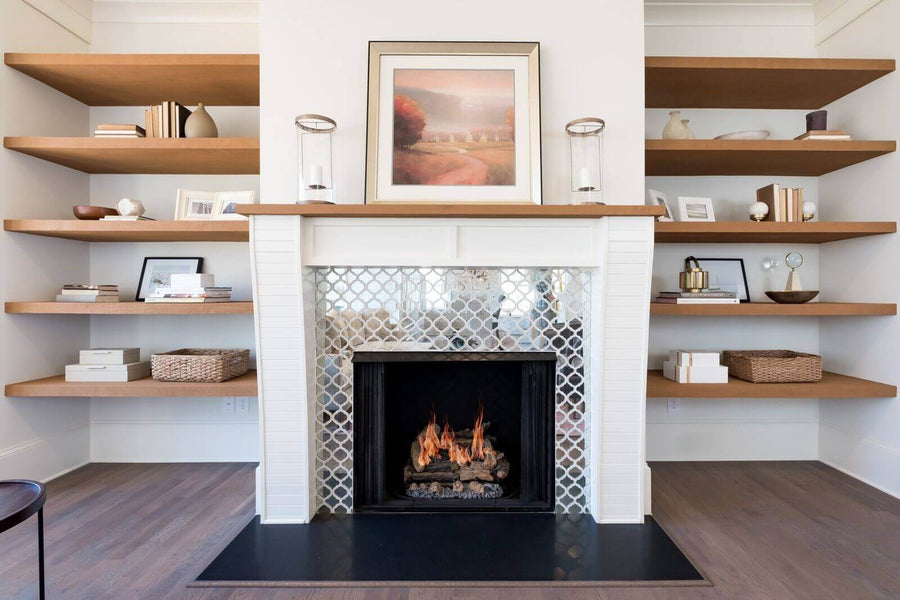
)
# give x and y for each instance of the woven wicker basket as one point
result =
(199, 365)
(773, 366)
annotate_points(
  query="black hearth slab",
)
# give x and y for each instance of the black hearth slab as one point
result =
(459, 549)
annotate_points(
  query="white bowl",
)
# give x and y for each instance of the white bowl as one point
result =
(746, 134)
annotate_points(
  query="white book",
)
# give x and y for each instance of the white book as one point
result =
(697, 301)
(114, 373)
(86, 298)
(190, 281)
(686, 374)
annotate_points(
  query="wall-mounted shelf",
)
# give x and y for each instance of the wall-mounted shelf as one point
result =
(785, 83)
(128, 308)
(208, 156)
(243, 386)
(144, 79)
(133, 231)
(831, 385)
(799, 158)
(459, 211)
(767, 232)
(771, 309)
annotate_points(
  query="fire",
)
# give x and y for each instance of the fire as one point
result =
(459, 454)
(429, 444)
(447, 436)
(478, 433)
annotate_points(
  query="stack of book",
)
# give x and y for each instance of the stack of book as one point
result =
(108, 364)
(689, 366)
(75, 292)
(785, 204)
(166, 120)
(126, 218)
(117, 130)
(196, 288)
(704, 297)
(824, 134)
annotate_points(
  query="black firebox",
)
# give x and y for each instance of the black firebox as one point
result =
(453, 431)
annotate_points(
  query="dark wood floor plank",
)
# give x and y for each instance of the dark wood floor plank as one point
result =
(791, 530)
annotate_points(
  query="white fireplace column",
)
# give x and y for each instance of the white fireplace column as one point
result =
(618, 250)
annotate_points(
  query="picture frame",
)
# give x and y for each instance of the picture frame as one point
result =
(196, 205)
(427, 142)
(657, 198)
(156, 270)
(727, 274)
(695, 210)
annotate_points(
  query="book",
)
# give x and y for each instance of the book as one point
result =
(126, 218)
(193, 280)
(697, 301)
(80, 286)
(117, 127)
(66, 292)
(157, 129)
(825, 134)
(86, 298)
(694, 358)
(791, 217)
(703, 294)
(148, 122)
(117, 136)
(769, 195)
(156, 300)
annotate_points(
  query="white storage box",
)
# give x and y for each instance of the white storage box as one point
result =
(109, 356)
(693, 358)
(685, 374)
(118, 373)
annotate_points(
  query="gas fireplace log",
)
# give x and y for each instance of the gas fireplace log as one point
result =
(410, 474)
(440, 464)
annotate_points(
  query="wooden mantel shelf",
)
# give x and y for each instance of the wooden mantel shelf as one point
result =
(474, 211)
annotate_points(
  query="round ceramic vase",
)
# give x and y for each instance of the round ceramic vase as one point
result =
(200, 124)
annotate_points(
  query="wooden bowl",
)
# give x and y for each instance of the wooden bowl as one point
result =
(783, 297)
(92, 213)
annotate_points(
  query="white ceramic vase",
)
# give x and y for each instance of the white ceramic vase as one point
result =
(676, 129)
(200, 124)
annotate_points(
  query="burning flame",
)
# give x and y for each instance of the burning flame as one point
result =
(447, 436)
(459, 454)
(429, 445)
(478, 433)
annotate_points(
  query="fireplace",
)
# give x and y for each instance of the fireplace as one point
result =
(453, 431)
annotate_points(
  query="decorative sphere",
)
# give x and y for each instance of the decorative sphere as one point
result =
(130, 208)
(758, 211)
(809, 208)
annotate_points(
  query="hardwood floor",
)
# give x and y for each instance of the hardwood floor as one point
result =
(774, 531)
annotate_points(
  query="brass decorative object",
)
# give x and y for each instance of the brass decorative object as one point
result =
(693, 278)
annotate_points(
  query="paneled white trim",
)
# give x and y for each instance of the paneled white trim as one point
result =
(853, 454)
(64, 15)
(119, 11)
(841, 16)
(717, 14)
(58, 452)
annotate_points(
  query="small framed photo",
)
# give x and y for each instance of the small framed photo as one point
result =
(226, 205)
(693, 209)
(192, 205)
(157, 272)
(728, 275)
(657, 198)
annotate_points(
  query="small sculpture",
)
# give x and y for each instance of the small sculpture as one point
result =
(758, 211)
(130, 208)
(676, 128)
(809, 211)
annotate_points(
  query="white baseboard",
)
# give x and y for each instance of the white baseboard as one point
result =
(867, 460)
(48, 457)
(732, 440)
(139, 442)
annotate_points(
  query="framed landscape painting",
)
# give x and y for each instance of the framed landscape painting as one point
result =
(454, 123)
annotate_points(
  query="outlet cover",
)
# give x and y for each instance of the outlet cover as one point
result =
(674, 405)
(228, 406)
(243, 406)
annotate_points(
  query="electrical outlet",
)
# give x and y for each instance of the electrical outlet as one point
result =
(674, 405)
(228, 406)
(243, 406)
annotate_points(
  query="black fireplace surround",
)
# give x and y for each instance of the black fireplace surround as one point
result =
(394, 394)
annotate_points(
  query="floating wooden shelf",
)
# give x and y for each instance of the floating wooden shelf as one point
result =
(767, 232)
(128, 308)
(243, 386)
(133, 231)
(210, 156)
(144, 79)
(831, 385)
(771, 309)
(800, 158)
(719, 82)
(498, 211)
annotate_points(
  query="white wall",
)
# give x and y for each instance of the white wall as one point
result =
(172, 429)
(731, 429)
(863, 436)
(581, 75)
(39, 437)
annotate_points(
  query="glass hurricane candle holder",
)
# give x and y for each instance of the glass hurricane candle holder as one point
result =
(585, 159)
(314, 133)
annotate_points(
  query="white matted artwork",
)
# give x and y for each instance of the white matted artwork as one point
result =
(195, 205)
(691, 209)
(657, 198)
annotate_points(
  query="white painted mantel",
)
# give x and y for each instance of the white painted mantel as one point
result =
(614, 242)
